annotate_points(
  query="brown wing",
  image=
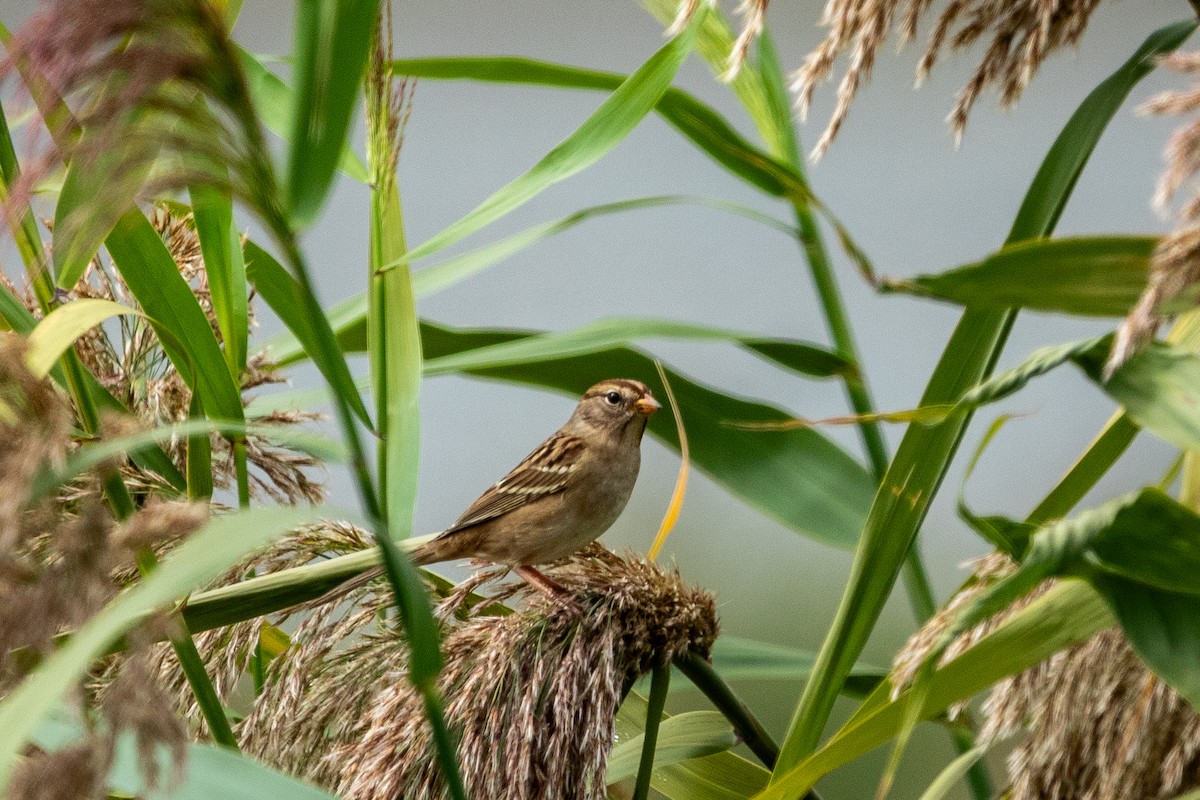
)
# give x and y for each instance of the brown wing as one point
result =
(543, 472)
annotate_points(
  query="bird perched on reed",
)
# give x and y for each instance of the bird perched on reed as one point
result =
(561, 497)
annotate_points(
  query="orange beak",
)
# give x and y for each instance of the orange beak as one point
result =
(646, 405)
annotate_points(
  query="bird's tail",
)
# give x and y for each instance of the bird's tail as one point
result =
(421, 550)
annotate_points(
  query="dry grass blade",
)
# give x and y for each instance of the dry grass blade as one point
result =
(1100, 725)
(1023, 33)
(680, 491)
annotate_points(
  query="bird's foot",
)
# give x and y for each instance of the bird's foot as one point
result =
(551, 589)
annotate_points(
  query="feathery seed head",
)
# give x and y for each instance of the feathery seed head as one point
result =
(1100, 725)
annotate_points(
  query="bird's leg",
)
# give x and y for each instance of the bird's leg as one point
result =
(542, 583)
(556, 593)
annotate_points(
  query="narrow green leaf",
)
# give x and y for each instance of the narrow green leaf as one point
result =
(203, 557)
(697, 121)
(332, 40)
(1062, 166)
(609, 333)
(1100, 276)
(446, 273)
(23, 225)
(795, 476)
(198, 463)
(920, 464)
(736, 658)
(1068, 613)
(221, 246)
(275, 103)
(395, 349)
(55, 334)
(680, 738)
(723, 776)
(954, 772)
(600, 133)
(1038, 363)
(209, 771)
(184, 331)
(286, 298)
(81, 224)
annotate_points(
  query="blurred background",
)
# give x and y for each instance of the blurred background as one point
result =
(913, 201)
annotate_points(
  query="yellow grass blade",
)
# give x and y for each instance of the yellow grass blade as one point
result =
(677, 496)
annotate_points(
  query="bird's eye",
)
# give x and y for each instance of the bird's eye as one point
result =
(613, 398)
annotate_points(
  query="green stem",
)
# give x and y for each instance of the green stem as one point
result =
(916, 579)
(978, 779)
(443, 741)
(660, 681)
(193, 669)
(709, 681)
(358, 458)
(242, 471)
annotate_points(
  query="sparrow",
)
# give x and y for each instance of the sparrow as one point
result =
(561, 497)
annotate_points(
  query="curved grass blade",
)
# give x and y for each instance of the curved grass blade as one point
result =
(81, 225)
(209, 771)
(682, 737)
(954, 772)
(203, 557)
(332, 40)
(600, 133)
(680, 491)
(446, 273)
(609, 333)
(286, 298)
(1101, 276)
(697, 121)
(723, 776)
(55, 334)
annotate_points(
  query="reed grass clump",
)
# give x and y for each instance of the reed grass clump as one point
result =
(1095, 723)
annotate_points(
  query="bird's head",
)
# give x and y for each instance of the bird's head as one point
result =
(618, 407)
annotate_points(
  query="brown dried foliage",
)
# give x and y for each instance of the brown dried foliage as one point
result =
(531, 696)
(1100, 725)
(1023, 33)
(58, 565)
(119, 84)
